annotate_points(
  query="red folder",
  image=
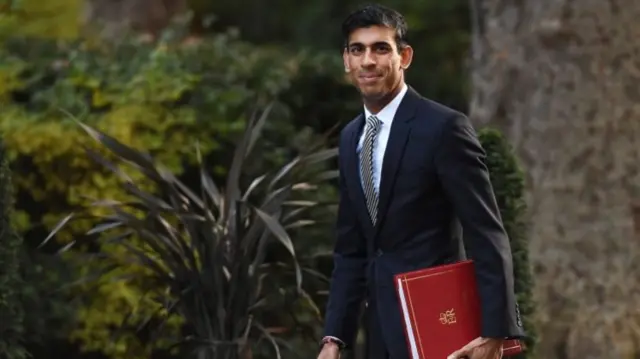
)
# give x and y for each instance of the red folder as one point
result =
(441, 309)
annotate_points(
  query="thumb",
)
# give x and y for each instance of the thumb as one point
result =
(459, 354)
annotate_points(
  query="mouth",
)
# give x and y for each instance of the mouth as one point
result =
(369, 78)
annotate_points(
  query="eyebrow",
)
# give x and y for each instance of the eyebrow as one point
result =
(377, 43)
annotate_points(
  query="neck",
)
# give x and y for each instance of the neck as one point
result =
(374, 105)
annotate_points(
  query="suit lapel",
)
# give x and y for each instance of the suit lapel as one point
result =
(353, 176)
(400, 129)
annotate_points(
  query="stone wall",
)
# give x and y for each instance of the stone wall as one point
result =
(561, 78)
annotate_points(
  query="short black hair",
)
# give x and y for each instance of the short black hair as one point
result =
(375, 15)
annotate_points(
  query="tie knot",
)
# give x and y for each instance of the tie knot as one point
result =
(374, 122)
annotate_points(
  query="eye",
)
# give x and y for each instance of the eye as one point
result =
(382, 49)
(355, 50)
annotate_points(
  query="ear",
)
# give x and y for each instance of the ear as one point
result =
(345, 60)
(406, 56)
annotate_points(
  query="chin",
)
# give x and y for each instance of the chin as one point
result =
(371, 94)
(374, 96)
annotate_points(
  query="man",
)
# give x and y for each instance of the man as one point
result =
(409, 168)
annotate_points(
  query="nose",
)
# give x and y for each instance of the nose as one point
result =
(368, 58)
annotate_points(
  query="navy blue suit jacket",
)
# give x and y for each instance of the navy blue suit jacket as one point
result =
(433, 174)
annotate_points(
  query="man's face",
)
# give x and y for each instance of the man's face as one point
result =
(373, 62)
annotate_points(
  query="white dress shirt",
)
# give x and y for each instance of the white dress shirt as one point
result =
(385, 115)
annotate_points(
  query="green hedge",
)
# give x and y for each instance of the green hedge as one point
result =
(508, 183)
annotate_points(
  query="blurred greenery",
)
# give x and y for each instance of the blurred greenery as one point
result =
(163, 98)
(52, 19)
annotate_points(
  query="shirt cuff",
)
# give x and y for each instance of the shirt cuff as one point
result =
(332, 339)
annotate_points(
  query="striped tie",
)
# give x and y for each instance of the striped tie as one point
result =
(366, 166)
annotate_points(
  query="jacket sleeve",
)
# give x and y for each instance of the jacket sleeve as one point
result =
(348, 277)
(460, 162)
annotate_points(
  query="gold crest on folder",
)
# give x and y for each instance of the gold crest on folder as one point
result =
(448, 317)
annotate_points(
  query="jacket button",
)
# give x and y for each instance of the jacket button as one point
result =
(378, 253)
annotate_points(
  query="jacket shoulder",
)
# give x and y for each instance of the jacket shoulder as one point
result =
(437, 112)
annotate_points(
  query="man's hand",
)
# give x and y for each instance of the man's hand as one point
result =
(329, 351)
(480, 348)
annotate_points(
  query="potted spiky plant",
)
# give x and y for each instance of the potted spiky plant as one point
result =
(208, 248)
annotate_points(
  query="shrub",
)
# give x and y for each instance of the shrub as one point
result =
(508, 183)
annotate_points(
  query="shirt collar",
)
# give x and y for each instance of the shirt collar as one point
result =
(387, 113)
